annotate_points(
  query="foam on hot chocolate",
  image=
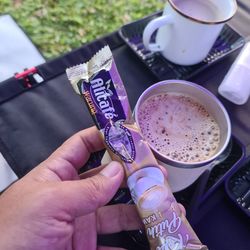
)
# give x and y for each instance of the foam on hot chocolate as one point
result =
(179, 127)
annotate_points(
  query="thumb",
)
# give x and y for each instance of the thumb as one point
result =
(85, 196)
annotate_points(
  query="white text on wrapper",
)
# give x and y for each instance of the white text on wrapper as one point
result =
(166, 228)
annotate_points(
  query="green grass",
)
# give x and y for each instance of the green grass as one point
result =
(57, 26)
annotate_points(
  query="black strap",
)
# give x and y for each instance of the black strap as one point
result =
(13, 86)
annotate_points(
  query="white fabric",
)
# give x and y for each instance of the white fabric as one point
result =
(16, 53)
(16, 50)
(7, 176)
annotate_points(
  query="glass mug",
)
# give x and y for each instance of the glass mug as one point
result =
(187, 29)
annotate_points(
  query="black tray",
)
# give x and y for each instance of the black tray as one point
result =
(238, 186)
(228, 41)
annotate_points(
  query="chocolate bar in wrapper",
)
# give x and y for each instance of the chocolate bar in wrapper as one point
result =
(99, 83)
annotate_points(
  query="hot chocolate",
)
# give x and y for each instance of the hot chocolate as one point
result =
(179, 127)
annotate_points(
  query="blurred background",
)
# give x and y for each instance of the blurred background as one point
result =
(57, 26)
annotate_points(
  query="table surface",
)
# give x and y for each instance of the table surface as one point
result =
(136, 79)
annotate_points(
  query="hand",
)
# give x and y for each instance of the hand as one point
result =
(52, 208)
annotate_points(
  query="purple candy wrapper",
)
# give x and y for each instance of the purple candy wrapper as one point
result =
(99, 82)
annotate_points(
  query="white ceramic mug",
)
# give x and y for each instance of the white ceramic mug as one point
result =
(188, 29)
(181, 174)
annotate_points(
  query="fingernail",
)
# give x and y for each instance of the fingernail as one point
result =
(112, 169)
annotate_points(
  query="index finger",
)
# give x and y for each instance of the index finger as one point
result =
(71, 156)
(77, 149)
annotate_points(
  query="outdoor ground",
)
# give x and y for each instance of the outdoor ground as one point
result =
(57, 26)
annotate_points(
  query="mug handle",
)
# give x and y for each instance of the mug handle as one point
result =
(151, 27)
